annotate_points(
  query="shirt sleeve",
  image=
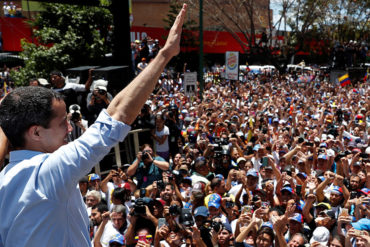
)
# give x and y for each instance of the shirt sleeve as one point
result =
(60, 172)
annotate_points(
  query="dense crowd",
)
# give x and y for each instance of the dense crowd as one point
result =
(268, 160)
(265, 161)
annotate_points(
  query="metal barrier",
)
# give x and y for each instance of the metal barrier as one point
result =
(123, 153)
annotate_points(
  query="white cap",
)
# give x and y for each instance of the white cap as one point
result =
(43, 82)
(320, 235)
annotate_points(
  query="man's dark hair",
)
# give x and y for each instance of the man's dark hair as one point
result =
(56, 72)
(23, 108)
(215, 182)
(266, 230)
(101, 207)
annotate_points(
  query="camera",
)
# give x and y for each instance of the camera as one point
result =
(145, 155)
(101, 92)
(177, 175)
(175, 210)
(139, 207)
(186, 217)
(75, 117)
(75, 111)
(160, 184)
(216, 225)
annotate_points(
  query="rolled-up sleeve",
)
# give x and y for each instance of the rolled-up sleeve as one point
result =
(60, 172)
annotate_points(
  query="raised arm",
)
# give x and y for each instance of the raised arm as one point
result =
(127, 104)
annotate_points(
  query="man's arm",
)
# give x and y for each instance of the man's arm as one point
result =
(89, 80)
(127, 104)
(163, 165)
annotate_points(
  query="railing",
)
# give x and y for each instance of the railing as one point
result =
(123, 153)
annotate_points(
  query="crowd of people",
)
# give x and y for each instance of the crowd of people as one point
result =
(264, 161)
(255, 162)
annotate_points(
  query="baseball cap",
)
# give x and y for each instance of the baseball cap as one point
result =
(323, 145)
(362, 224)
(323, 204)
(356, 150)
(200, 161)
(267, 224)
(304, 175)
(337, 190)
(289, 189)
(118, 238)
(241, 159)
(256, 147)
(43, 82)
(93, 177)
(252, 172)
(201, 211)
(320, 235)
(365, 191)
(323, 157)
(329, 213)
(198, 187)
(101, 88)
(214, 201)
(297, 217)
(227, 227)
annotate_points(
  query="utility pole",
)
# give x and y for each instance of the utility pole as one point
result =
(200, 72)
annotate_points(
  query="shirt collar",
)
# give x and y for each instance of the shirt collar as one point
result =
(19, 155)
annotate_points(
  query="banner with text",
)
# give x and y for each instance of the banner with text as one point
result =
(232, 65)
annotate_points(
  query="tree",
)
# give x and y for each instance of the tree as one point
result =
(66, 36)
(189, 39)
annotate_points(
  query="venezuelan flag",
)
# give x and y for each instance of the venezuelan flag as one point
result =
(344, 80)
(366, 75)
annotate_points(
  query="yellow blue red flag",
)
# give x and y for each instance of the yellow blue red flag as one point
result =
(344, 80)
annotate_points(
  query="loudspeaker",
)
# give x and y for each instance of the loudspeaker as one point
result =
(118, 77)
(82, 72)
(356, 74)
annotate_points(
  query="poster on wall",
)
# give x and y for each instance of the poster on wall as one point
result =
(232, 65)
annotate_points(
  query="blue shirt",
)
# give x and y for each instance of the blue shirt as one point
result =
(40, 203)
(146, 176)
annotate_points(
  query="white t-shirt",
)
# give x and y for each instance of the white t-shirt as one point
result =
(162, 147)
(108, 234)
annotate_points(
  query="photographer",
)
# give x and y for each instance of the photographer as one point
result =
(144, 222)
(78, 124)
(147, 167)
(97, 100)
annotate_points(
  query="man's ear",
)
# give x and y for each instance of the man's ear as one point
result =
(33, 133)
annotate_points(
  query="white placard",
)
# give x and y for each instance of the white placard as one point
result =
(232, 65)
(190, 83)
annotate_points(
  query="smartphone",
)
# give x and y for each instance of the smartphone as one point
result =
(298, 189)
(265, 204)
(142, 192)
(246, 209)
(358, 232)
(161, 222)
(265, 161)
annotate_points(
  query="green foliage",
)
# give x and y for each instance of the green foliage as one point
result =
(67, 36)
